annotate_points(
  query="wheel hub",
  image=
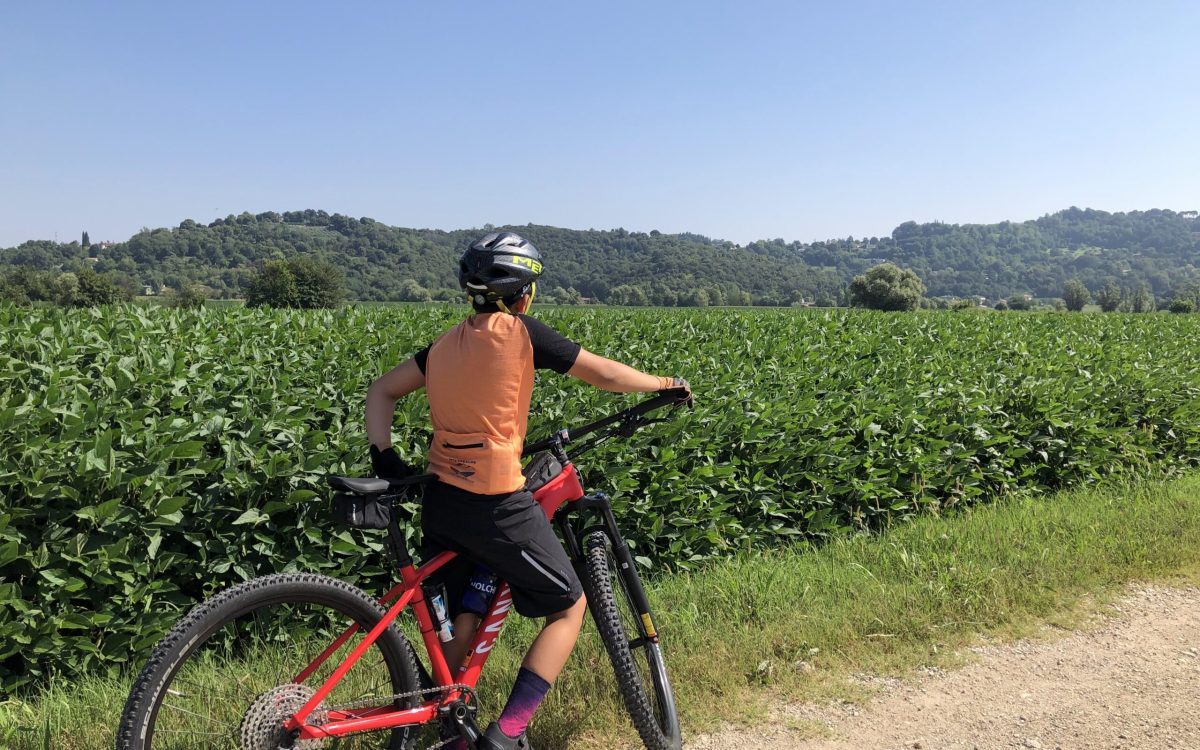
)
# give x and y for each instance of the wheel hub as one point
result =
(262, 724)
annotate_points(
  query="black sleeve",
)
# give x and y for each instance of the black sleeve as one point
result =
(421, 358)
(551, 350)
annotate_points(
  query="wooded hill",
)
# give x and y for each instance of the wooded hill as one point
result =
(1160, 248)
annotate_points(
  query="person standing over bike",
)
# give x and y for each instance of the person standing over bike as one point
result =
(478, 378)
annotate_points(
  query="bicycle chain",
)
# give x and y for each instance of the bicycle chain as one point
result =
(374, 701)
(472, 700)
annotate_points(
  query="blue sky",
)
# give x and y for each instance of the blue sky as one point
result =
(741, 120)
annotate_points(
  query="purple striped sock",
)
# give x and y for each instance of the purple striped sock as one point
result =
(527, 694)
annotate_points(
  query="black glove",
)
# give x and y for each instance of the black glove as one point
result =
(680, 387)
(388, 464)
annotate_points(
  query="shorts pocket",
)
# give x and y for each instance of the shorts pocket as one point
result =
(523, 524)
(547, 570)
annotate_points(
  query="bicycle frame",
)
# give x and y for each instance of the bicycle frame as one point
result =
(562, 489)
(561, 498)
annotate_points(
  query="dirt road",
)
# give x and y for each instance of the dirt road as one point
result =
(1129, 680)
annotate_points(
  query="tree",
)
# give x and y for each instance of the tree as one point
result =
(568, 296)
(1109, 298)
(1189, 291)
(1141, 300)
(1001, 305)
(273, 285)
(628, 294)
(318, 282)
(302, 281)
(85, 242)
(1020, 302)
(192, 296)
(887, 287)
(27, 284)
(1075, 295)
(411, 291)
(1181, 305)
(12, 292)
(90, 289)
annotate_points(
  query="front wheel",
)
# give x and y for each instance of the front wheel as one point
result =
(240, 664)
(636, 658)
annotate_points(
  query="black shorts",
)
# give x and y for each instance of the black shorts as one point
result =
(508, 533)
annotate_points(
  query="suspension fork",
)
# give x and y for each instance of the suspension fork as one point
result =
(573, 541)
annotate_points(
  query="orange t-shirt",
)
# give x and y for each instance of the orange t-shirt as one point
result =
(479, 379)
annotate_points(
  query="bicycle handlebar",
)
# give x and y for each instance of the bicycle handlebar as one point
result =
(664, 398)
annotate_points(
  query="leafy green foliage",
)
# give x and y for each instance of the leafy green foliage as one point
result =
(887, 287)
(149, 456)
(1109, 298)
(1075, 295)
(86, 288)
(1019, 302)
(191, 296)
(302, 281)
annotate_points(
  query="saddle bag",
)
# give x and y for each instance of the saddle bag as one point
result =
(361, 511)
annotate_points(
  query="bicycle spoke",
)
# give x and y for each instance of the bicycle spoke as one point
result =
(241, 669)
(190, 713)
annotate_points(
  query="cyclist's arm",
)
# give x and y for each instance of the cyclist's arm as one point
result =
(611, 375)
(551, 351)
(382, 397)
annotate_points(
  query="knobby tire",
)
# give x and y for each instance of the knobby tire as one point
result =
(651, 706)
(391, 654)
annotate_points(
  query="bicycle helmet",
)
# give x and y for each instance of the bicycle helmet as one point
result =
(499, 267)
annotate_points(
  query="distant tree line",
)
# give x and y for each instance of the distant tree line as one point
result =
(1113, 297)
(1009, 261)
(24, 285)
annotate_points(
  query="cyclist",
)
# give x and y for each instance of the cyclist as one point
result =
(478, 377)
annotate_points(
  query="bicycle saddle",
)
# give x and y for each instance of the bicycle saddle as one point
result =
(361, 485)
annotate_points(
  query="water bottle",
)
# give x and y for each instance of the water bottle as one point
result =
(436, 597)
(477, 597)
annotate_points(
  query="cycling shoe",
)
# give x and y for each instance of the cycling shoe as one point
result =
(494, 739)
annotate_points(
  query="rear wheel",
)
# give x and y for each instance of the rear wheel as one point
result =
(231, 672)
(637, 659)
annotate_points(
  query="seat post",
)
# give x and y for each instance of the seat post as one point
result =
(396, 546)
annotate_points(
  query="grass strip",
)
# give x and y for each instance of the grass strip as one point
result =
(797, 621)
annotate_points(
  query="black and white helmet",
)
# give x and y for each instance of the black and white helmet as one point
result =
(500, 266)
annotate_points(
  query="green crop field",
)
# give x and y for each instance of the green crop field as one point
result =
(149, 456)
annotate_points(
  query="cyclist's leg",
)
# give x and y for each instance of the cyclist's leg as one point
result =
(543, 584)
(554, 644)
(541, 667)
(455, 650)
(513, 537)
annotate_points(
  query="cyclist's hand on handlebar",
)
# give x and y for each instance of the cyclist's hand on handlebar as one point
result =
(388, 464)
(677, 387)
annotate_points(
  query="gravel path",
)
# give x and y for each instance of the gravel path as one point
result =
(1130, 680)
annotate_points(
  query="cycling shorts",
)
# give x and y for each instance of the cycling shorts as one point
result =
(508, 533)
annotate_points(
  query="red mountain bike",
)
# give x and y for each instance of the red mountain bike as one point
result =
(305, 661)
